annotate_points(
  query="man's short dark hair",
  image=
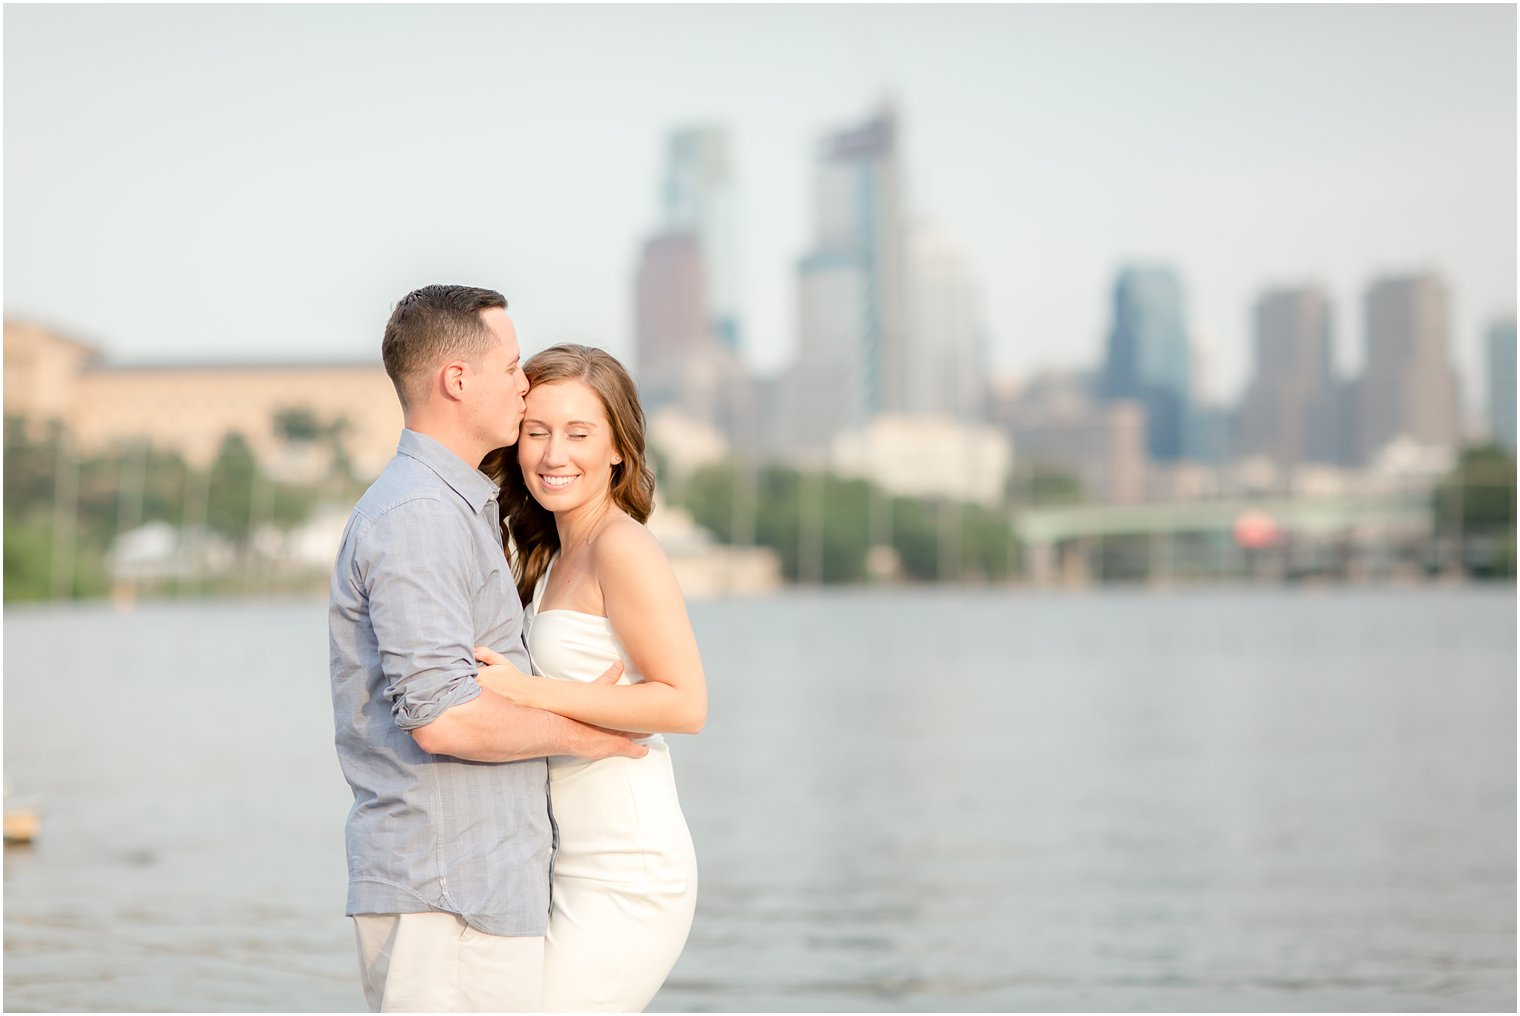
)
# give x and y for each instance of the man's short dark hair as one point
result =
(431, 326)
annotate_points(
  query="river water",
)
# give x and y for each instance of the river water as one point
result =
(1233, 799)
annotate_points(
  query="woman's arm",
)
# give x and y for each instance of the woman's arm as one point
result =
(644, 605)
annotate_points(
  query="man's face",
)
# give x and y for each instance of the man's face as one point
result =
(500, 384)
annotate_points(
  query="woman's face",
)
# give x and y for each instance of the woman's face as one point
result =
(565, 448)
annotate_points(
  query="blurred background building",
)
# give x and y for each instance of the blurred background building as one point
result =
(1501, 382)
(852, 357)
(1150, 356)
(687, 327)
(946, 348)
(1289, 412)
(1059, 426)
(280, 409)
(1408, 389)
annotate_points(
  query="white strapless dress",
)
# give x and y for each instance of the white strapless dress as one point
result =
(625, 873)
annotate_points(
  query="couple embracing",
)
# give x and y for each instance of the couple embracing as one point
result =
(515, 842)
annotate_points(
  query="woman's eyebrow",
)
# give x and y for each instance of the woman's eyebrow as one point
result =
(570, 423)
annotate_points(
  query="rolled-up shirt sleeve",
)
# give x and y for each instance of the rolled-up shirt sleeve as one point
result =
(419, 571)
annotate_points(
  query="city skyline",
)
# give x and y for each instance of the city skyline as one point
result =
(1254, 149)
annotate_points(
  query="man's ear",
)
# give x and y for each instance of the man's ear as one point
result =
(452, 378)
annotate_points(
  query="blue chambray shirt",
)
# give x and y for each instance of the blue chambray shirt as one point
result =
(421, 579)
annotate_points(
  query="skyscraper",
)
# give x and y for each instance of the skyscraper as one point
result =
(1501, 382)
(1408, 387)
(1149, 357)
(946, 355)
(1288, 413)
(686, 300)
(851, 362)
(671, 311)
(699, 200)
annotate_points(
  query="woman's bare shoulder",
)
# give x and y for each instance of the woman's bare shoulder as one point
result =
(623, 538)
(627, 550)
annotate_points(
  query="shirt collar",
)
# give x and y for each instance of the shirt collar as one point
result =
(469, 483)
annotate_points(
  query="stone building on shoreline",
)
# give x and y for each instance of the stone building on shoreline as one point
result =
(189, 408)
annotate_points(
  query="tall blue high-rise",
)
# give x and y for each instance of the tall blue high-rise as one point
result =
(1501, 382)
(1149, 356)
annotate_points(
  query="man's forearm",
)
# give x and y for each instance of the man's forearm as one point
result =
(488, 728)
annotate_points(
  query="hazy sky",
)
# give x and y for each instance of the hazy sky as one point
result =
(263, 182)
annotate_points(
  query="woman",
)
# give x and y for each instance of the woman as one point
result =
(601, 591)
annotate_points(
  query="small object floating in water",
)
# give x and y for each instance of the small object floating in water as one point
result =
(21, 818)
(21, 825)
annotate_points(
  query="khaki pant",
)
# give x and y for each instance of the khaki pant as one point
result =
(434, 962)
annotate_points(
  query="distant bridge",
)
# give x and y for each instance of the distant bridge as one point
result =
(1055, 537)
(1319, 516)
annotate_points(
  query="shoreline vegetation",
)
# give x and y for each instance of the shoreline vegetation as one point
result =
(142, 522)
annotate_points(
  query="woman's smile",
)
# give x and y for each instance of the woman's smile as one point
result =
(565, 449)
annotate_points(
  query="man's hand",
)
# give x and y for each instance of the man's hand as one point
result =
(498, 675)
(604, 743)
(488, 728)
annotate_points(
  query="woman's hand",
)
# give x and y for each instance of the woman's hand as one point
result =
(497, 674)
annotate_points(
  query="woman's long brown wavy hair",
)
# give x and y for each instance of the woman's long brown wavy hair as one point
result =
(528, 526)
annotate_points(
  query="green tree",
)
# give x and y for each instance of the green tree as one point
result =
(708, 495)
(28, 560)
(298, 424)
(165, 475)
(842, 510)
(1036, 483)
(29, 468)
(336, 435)
(845, 518)
(229, 498)
(119, 490)
(986, 543)
(1475, 503)
(36, 465)
(915, 537)
(837, 507)
(778, 515)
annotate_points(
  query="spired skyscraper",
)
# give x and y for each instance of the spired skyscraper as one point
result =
(1289, 411)
(1150, 357)
(1408, 388)
(851, 359)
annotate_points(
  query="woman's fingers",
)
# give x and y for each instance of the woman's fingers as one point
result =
(489, 657)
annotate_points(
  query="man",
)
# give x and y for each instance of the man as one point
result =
(450, 837)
